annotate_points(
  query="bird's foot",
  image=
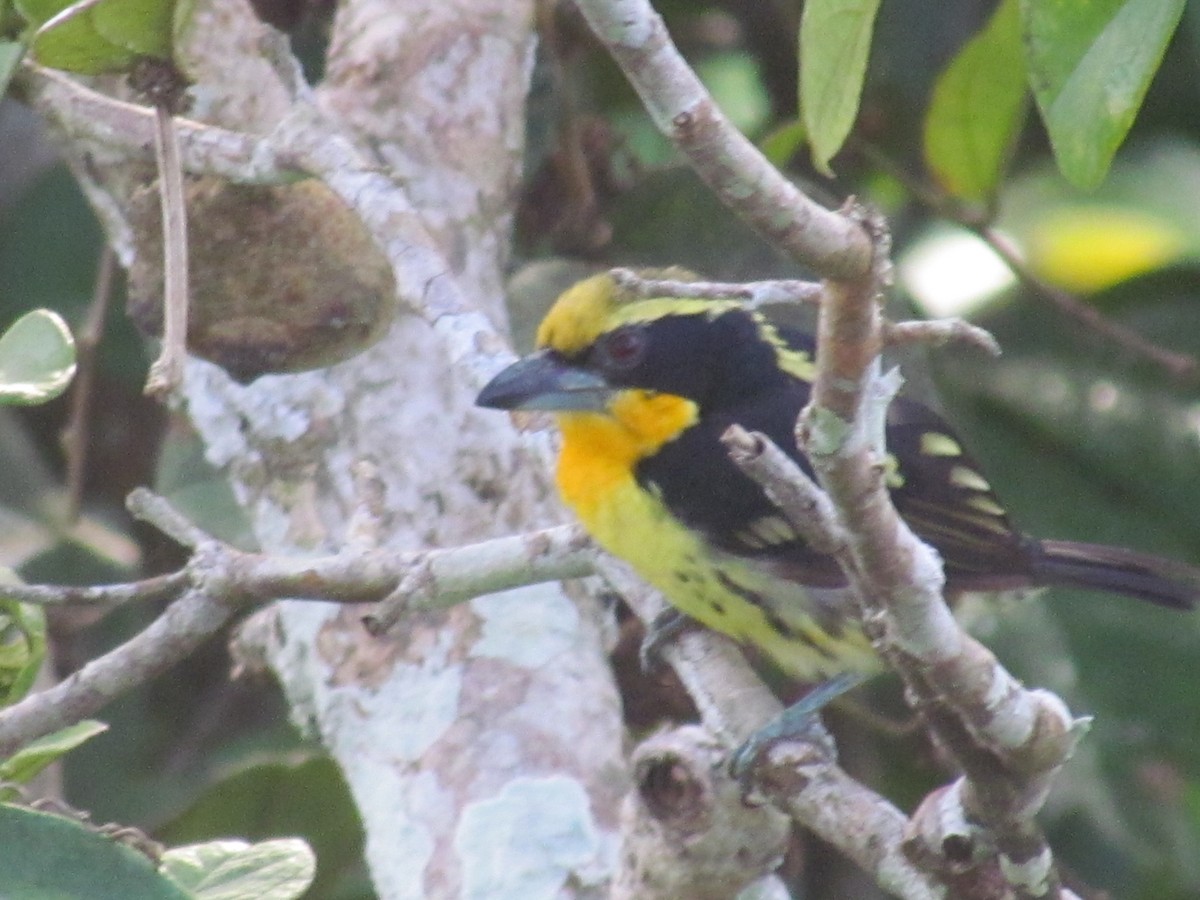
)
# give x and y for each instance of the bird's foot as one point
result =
(800, 721)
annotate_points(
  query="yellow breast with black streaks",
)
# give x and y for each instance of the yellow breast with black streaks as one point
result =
(778, 617)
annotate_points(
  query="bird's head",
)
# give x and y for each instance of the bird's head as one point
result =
(603, 352)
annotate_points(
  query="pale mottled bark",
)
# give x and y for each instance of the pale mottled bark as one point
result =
(482, 745)
(459, 728)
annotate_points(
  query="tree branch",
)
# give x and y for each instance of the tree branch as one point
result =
(734, 704)
(685, 831)
(185, 625)
(1009, 741)
(166, 372)
(753, 294)
(732, 166)
(1182, 367)
(219, 580)
(126, 131)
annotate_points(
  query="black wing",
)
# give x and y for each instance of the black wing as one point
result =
(935, 484)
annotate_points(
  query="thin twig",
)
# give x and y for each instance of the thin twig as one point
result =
(798, 497)
(441, 578)
(1180, 366)
(938, 333)
(730, 164)
(128, 129)
(166, 372)
(146, 506)
(1009, 741)
(753, 294)
(87, 341)
(219, 580)
(149, 590)
(181, 628)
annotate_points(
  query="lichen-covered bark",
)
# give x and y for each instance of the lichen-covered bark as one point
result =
(482, 745)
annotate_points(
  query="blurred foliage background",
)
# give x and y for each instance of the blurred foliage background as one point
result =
(1081, 436)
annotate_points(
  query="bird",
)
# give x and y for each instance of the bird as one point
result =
(642, 388)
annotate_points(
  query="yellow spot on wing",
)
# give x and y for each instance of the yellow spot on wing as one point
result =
(986, 505)
(773, 530)
(934, 443)
(966, 477)
(795, 362)
(748, 539)
(892, 476)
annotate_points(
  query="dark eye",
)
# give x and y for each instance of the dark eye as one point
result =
(624, 348)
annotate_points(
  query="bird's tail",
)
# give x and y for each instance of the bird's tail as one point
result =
(1116, 570)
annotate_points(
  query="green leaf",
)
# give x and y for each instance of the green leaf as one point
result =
(75, 45)
(977, 110)
(142, 26)
(835, 41)
(37, 358)
(45, 856)
(283, 793)
(1090, 65)
(10, 57)
(23, 765)
(232, 870)
(22, 647)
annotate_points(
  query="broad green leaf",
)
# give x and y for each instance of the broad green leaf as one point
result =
(286, 793)
(22, 646)
(37, 358)
(977, 110)
(10, 57)
(232, 870)
(835, 42)
(1090, 65)
(75, 45)
(23, 765)
(142, 26)
(44, 856)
